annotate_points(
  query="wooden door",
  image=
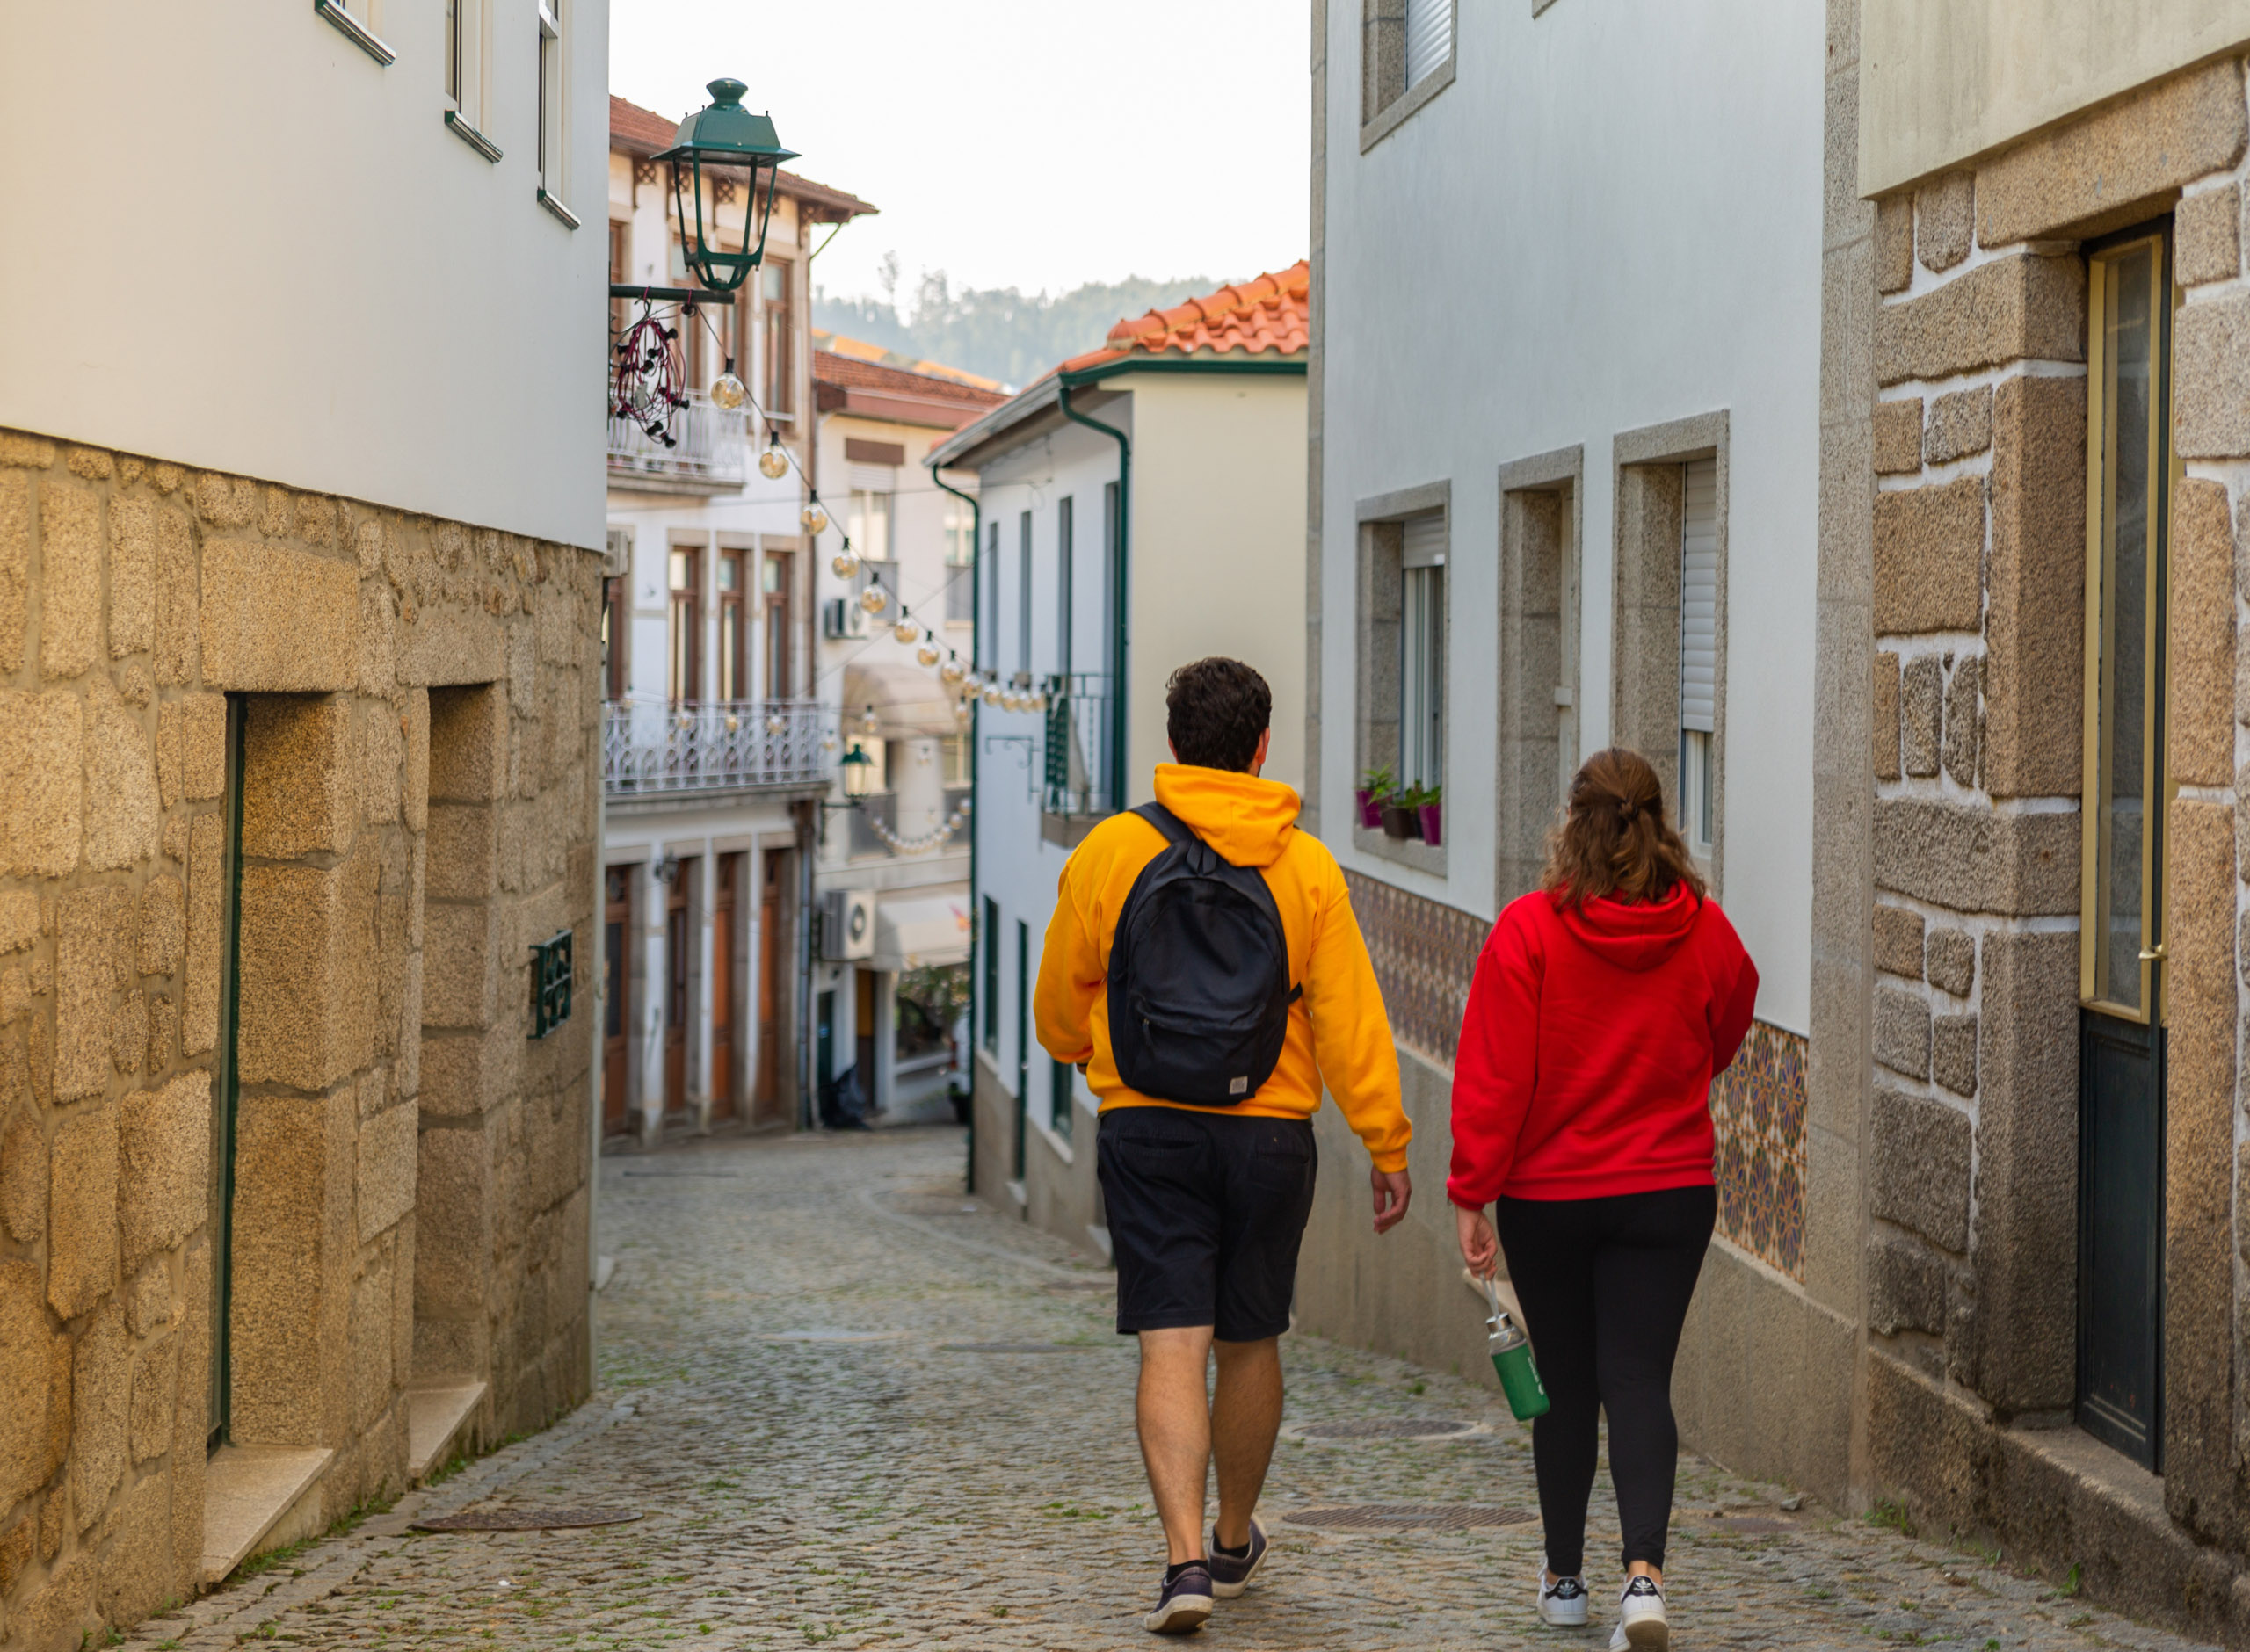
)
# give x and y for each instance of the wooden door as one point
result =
(773, 959)
(617, 930)
(680, 937)
(727, 870)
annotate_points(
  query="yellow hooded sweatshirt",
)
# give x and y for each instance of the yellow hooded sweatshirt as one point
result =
(1338, 1034)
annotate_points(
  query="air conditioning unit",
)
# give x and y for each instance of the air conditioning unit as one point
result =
(848, 925)
(841, 619)
(617, 554)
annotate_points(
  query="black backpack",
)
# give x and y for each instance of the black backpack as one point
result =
(1199, 975)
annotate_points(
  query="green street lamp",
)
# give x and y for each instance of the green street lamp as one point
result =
(725, 135)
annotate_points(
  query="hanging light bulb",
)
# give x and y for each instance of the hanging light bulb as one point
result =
(775, 723)
(814, 517)
(873, 598)
(773, 464)
(844, 563)
(926, 655)
(992, 695)
(963, 710)
(828, 742)
(906, 631)
(727, 391)
(870, 724)
(951, 673)
(1037, 702)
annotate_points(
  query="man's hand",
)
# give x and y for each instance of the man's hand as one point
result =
(1392, 1191)
(1480, 1246)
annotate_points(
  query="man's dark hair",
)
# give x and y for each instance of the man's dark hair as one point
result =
(1214, 710)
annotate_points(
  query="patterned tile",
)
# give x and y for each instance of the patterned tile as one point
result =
(1757, 1110)
(1424, 956)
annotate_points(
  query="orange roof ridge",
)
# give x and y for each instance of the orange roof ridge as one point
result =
(1268, 315)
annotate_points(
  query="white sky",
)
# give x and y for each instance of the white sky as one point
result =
(1028, 143)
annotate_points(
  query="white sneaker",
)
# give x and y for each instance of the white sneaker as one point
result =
(1561, 1603)
(1641, 1625)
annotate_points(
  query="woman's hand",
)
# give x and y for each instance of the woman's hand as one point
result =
(1480, 1246)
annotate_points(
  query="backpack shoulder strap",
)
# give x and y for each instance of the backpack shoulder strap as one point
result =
(1175, 829)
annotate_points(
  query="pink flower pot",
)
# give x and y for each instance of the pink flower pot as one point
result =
(1430, 813)
(1370, 811)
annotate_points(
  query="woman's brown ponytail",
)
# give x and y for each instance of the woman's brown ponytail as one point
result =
(1617, 837)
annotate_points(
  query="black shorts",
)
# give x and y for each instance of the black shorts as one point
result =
(1206, 1211)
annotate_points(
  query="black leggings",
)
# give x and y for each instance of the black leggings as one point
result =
(1605, 1285)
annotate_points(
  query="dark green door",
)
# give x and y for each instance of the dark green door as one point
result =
(1023, 1040)
(225, 1088)
(2122, 964)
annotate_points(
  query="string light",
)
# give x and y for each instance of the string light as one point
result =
(776, 724)
(906, 631)
(773, 464)
(928, 841)
(927, 654)
(844, 563)
(870, 723)
(727, 391)
(813, 517)
(873, 598)
(951, 673)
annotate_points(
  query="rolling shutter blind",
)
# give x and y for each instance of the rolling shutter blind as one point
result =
(1422, 541)
(871, 478)
(1699, 596)
(1429, 38)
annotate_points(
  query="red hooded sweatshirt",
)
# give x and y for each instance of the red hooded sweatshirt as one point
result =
(1588, 1049)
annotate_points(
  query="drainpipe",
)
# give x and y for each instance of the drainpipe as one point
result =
(1119, 631)
(976, 906)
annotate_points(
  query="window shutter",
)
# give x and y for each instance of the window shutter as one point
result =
(1422, 541)
(871, 478)
(1699, 596)
(1429, 38)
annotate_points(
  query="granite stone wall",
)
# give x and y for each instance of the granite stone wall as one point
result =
(417, 703)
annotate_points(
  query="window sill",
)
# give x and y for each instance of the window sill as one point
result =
(1407, 852)
(1404, 106)
(356, 32)
(555, 206)
(1056, 1142)
(471, 136)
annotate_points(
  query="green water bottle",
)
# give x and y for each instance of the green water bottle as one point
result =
(1511, 1352)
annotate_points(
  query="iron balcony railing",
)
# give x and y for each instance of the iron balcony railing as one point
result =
(1082, 774)
(650, 746)
(706, 443)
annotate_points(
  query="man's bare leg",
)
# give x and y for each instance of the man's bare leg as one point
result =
(1246, 1416)
(1173, 1410)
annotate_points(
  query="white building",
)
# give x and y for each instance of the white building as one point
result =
(718, 747)
(1565, 440)
(890, 993)
(1141, 506)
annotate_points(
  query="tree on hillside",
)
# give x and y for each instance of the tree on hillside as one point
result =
(998, 331)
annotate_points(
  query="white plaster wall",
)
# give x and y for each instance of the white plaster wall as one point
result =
(257, 250)
(1944, 81)
(1611, 219)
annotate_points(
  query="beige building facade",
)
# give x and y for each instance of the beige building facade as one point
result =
(299, 757)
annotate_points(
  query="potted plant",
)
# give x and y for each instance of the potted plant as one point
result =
(1374, 786)
(1428, 807)
(1401, 818)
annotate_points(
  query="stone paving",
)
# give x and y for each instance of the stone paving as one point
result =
(792, 1393)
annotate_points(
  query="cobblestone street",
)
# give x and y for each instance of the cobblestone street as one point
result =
(857, 1411)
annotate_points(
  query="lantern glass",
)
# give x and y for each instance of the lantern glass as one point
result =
(717, 142)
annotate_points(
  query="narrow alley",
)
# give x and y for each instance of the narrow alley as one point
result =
(853, 1409)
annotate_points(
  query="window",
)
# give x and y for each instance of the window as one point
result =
(988, 636)
(1429, 39)
(1110, 499)
(621, 272)
(1023, 593)
(453, 52)
(990, 1009)
(734, 633)
(1063, 586)
(779, 580)
(780, 351)
(684, 682)
(953, 755)
(2126, 470)
(1421, 650)
(868, 521)
(551, 100)
(1699, 646)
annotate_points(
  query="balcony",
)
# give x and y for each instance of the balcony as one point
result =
(708, 452)
(1083, 780)
(652, 749)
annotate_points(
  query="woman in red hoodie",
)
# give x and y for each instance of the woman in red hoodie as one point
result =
(1603, 1006)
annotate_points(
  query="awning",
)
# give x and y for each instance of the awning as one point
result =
(909, 700)
(917, 929)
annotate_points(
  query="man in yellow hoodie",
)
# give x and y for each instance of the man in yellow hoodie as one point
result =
(1206, 1203)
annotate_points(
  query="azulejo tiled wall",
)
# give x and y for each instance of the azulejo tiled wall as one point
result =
(1424, 956)
(1758, 1110)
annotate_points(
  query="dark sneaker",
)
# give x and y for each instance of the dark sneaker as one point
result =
(1231, 1577)
(1186, 1604)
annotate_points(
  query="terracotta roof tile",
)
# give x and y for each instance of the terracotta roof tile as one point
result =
(830, 367)
(1269, 316)
(639, 130)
